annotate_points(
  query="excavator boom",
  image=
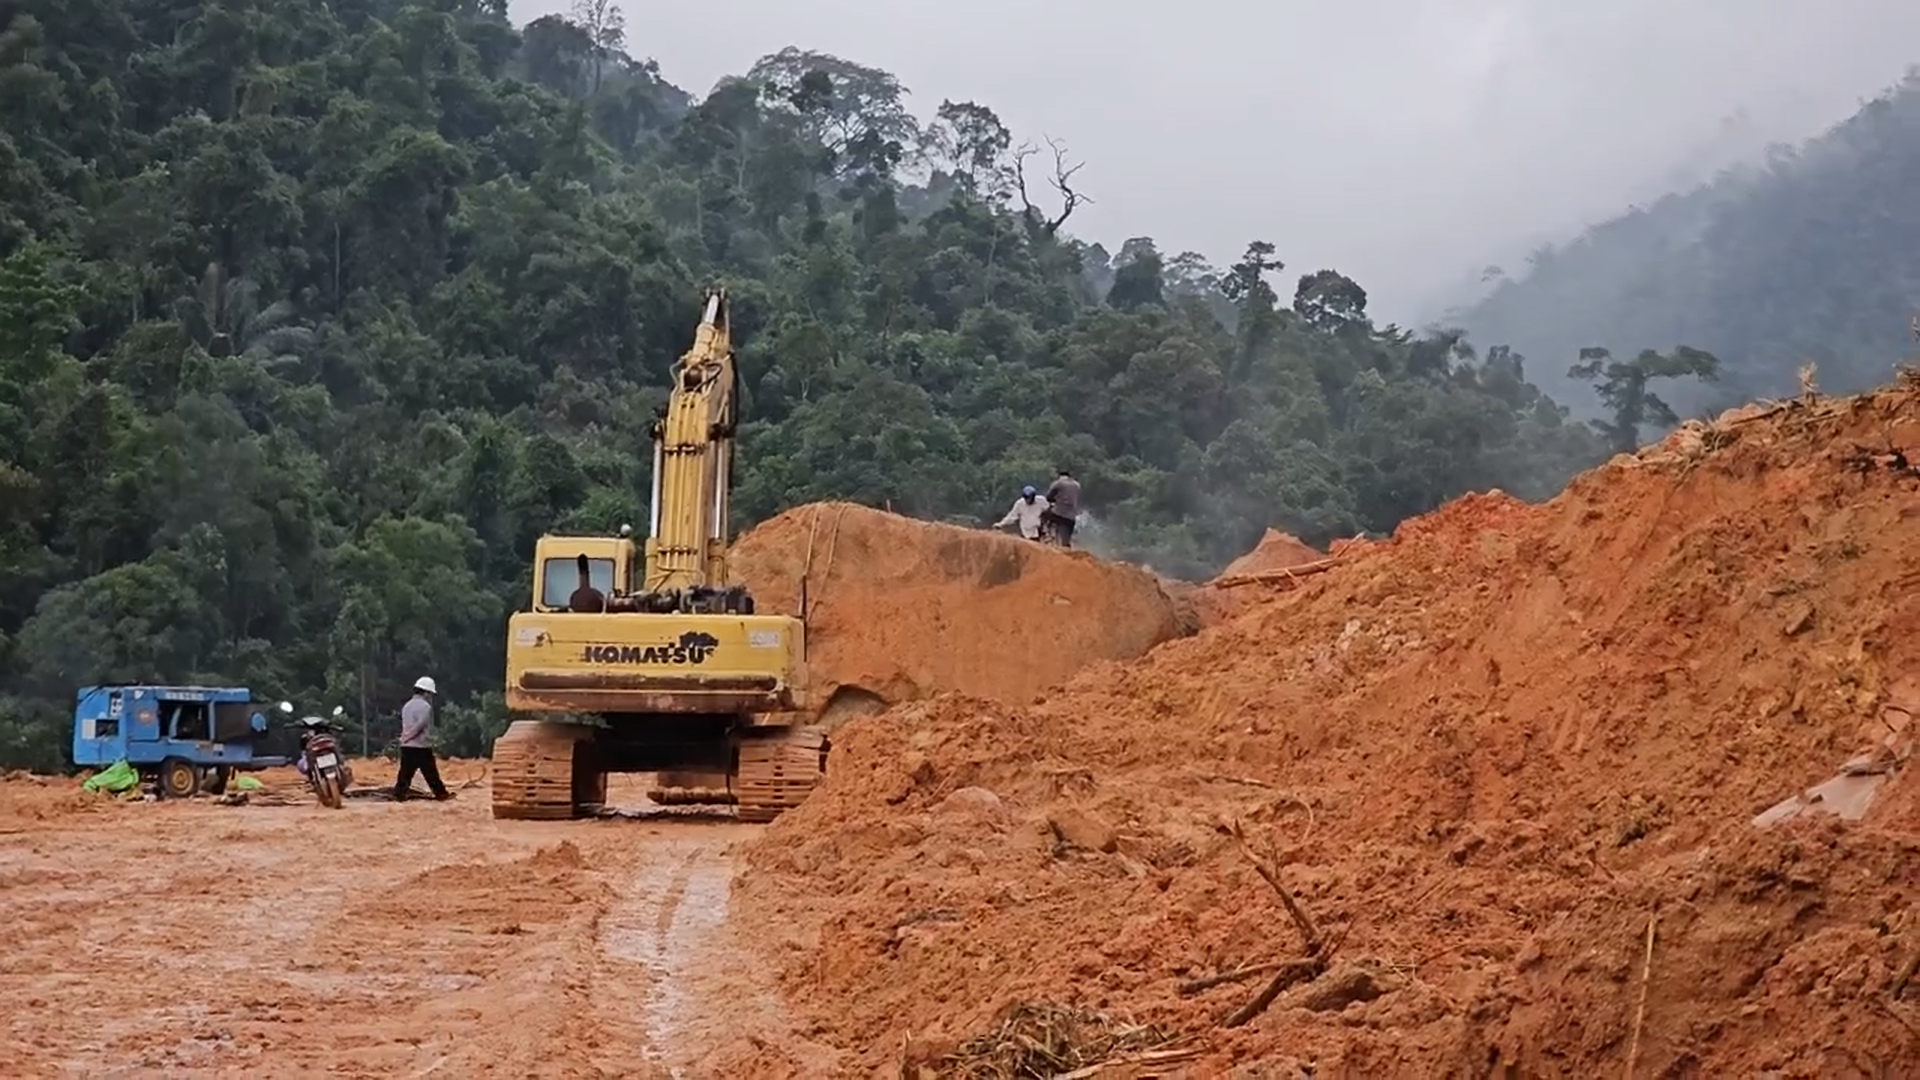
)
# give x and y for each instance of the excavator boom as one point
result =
(693, 463)
(657, 645)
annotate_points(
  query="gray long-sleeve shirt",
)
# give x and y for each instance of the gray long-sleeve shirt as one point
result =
(1065, 497)
(416, 722)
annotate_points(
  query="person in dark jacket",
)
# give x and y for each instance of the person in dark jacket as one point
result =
(1063, 506)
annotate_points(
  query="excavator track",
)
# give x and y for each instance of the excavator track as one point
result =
(544, 771)
(778, 768)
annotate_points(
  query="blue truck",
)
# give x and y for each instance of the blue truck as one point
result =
(187, 738)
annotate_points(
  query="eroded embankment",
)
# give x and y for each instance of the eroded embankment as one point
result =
(1486, 755)
(899, 609)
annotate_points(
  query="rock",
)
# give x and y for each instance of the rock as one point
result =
(1799, 618)
(1340, 988)
(1083, 829)
(974, 803)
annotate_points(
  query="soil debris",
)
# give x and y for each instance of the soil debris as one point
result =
(1485, 748)
(1044, 1041)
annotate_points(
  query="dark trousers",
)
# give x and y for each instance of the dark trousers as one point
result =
(418, 759)
(1062, 528)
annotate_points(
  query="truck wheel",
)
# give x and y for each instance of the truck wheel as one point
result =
(215, 782)
(179, 778)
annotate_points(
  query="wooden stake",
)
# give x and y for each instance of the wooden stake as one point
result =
(1646, 978)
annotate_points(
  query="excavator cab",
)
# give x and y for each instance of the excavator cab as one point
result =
(556, 560)
(672, 671)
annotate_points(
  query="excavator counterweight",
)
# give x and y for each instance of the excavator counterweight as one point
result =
(648, 658)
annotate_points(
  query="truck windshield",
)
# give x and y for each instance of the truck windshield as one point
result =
(559, 577)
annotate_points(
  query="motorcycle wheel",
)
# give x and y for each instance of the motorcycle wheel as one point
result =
(327, 786)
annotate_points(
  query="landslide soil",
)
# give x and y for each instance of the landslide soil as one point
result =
(1227, 597)
(1487, 754)
(900, 609)
(379, 940)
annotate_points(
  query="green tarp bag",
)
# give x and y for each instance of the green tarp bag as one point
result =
(115, 778)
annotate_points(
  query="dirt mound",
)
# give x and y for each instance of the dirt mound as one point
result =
(26, 798)
(1484, 755)
(495, 898)
(900, 609)
(1227, 597)
(1276, 551)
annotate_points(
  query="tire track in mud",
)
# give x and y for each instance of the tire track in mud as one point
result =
(699, 986)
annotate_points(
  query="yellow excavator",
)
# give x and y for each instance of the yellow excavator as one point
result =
(659, 664)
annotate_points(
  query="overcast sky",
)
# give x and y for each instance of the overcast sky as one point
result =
(1406, 143)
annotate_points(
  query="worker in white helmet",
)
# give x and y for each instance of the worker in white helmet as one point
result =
(416, 742)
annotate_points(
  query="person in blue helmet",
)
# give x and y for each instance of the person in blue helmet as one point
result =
(1027, 512)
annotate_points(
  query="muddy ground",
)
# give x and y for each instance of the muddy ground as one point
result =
(418, 939)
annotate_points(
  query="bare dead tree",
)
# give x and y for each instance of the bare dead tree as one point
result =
(1060, 181)
(606, 24)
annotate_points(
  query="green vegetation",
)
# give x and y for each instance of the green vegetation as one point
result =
(1622, 386)
(314, 315)
(1814, 258)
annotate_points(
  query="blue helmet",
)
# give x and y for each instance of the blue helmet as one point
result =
(1026, 492)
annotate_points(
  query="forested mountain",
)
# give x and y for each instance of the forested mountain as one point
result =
(313, 315)
(1813, 258)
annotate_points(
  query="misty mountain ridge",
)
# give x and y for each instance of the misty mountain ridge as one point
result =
(1812, 256)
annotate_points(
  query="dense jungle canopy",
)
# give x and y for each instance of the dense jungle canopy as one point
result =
(314, 315)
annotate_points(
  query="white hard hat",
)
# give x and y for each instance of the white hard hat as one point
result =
(425, 682)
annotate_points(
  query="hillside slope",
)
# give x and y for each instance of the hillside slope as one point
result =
(1487, 753)
(1815, 258)
(363, 298)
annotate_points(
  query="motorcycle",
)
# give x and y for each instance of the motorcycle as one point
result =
(319, 760)
(1048, 534)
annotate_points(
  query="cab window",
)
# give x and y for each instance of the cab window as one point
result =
(560, 577)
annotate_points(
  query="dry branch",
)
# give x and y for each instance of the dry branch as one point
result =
(1309, 933)
(1265, 997)
(1155, 1057)
(1196, 986)
(1270, 576)
(1226, 778)
(1292, 973)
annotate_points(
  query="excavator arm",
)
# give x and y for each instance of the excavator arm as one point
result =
(693, 444)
